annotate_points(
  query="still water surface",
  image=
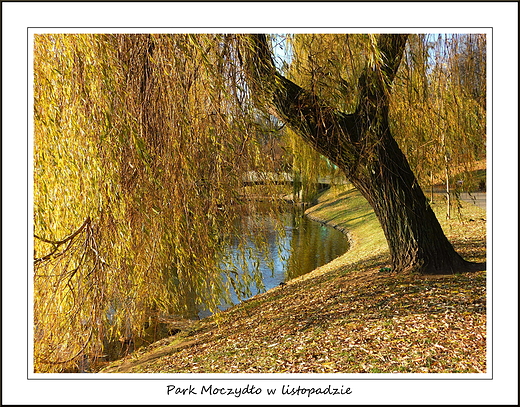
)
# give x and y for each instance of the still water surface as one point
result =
(304, 246)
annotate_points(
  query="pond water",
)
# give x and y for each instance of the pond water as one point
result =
(303, 247)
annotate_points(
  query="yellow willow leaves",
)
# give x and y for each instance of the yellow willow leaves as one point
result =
(142, 139)
(438, 106)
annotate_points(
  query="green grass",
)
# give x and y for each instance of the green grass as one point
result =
(345, 209)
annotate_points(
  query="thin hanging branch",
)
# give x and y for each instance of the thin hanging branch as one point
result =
(58, 243)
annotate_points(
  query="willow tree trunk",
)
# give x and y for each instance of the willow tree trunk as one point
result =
(362, 145)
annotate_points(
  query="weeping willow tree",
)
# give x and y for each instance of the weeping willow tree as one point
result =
(343, 108)
(141, 143)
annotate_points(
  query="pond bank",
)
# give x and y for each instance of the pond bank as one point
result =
(346, 316)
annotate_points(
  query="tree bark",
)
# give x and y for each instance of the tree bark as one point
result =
(362, 145)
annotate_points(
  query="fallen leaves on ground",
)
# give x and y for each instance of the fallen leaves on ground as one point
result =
(354, 323)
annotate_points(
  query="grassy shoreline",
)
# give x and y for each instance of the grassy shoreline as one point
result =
(346, 316)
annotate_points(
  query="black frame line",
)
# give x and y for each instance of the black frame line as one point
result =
(254, 377)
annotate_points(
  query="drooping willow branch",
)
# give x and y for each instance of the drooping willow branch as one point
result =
(58, 243)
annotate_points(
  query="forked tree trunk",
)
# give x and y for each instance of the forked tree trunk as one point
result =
(362, 145)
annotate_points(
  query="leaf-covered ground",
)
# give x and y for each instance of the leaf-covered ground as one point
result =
(349, 316)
